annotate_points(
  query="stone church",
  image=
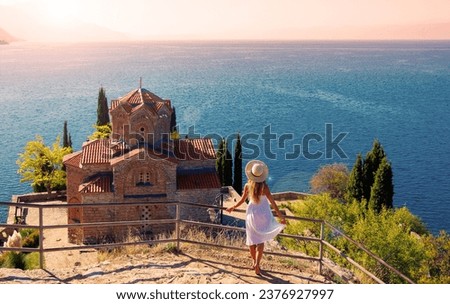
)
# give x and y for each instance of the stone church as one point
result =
(138, 163)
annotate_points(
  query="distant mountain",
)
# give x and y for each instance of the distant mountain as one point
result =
(432, 31)
(35, 29)
(6, 37)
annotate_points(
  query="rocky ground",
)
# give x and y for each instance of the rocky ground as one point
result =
(158, 264)
(193, 265)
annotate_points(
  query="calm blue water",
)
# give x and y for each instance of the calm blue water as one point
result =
(398, 92)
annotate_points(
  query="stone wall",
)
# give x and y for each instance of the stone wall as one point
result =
(199, 196)
(289, 195)
(162, 177)
(40, 197)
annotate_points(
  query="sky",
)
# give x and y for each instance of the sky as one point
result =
(241, 19)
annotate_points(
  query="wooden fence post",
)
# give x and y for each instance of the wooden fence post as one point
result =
(177, 226)
(41, 238)
(321, 247)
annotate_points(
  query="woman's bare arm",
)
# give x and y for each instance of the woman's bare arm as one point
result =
(273, 204)
(243, 198)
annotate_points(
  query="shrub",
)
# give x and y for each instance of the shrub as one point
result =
(395, 235)
(23, 260)
(31, 261)
(332, 179)
(30, 238)
(13, 259)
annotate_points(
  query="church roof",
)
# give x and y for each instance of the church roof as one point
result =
(100, 151)
(96, 152)
(100, 183)
(73, 159)
(194, 149)
(139, 98)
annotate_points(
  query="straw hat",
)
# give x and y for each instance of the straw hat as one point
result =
(257, 171)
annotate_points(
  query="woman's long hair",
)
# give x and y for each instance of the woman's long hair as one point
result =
(255, 190)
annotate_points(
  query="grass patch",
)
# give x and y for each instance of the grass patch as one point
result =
(23, 260)
(31, 261)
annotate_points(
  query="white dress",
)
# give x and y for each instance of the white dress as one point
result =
(260, 224)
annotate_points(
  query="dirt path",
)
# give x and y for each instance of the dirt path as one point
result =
(194, 264)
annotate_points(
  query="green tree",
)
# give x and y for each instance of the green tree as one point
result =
(227, 167)
(382, 190)
(67, 139)
(102, 108)
(101, 132)
(395, 235)
(173, 121)
(330, 179)
(371, 163)
(42, 165)
(437, 268)
(219, 160)
(355, 186)
(237, 176)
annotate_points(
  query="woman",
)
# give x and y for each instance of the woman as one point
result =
(260, 225)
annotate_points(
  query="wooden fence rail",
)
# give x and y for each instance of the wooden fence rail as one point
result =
(178, 239)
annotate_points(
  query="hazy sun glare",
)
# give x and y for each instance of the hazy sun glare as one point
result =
(229, 19)
(60, 12)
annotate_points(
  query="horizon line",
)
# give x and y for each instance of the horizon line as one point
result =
(234, 40)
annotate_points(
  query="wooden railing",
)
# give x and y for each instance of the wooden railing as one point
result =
(178, 239)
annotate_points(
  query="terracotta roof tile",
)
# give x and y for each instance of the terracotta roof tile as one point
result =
(194, 149)
(203, 180)
(138, 97)
(96, 152)
(73, 159)
(97, 184)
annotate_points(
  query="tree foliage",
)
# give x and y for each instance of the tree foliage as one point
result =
(355, 186)
(372, 177)
(227, 167)
(102, 109)
(224, 164)
(382, 190)
(101, 132)
(219, 160)
(67, 139)
(42, 165)
(237, 175)
(332, 179)
(173, 121)
(371, 163)
(438, 262)
(395, 235)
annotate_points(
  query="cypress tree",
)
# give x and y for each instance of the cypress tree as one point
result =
(173, 121)
(102, 108)
(219, 160)
(383, 189)
(227, 166)
(355, 186)
(370, 167)
(67, 140)
(237, 176)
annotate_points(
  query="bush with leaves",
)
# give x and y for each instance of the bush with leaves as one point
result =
(43, 165)
(101, 132)
(30, 238)
(23, 260)
(395, 235)
(437, 268)
(332, 179)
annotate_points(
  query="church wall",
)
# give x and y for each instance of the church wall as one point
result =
(141, 179)
(199, 196)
